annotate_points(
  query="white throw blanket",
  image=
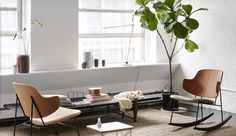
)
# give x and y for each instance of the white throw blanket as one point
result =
(125, 98)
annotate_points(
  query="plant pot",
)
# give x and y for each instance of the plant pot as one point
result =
(167, 102)
(23, 63)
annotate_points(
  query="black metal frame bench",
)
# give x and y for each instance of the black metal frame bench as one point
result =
(113, 107)
(107, 107)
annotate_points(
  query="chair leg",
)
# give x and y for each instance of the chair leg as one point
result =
(172, 112)
(221, 108)
(15, 118)
(76, 126)
(222, 119)
(197, 114)
(202, 110)
(31, 118)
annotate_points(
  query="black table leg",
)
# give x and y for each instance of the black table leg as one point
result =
(135, 109)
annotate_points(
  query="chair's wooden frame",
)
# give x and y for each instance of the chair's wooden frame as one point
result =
(202, 93)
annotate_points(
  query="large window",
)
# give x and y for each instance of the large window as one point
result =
(10, 22)
(105, 29)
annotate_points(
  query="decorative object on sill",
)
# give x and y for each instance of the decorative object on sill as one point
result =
(14, 69)
(23, 59)
(103, 63)
(23, 63)
(96, 62)
(84, 65)
(88, 58)
(176, 19)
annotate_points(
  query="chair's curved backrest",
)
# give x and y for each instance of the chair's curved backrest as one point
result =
(206, 83)
(25, 92)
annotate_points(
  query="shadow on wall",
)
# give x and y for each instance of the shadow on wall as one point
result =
(179, 76)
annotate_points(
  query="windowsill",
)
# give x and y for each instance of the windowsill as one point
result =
(108, 66)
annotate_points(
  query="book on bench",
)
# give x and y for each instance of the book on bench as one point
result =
(100, 98)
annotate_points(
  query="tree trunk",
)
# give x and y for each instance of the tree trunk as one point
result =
(170, 74)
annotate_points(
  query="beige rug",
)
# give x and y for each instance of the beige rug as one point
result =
(151, 122)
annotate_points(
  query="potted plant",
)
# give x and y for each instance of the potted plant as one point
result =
(23, 61)
(176, 19)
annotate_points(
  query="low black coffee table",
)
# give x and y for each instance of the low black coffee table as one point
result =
(112, 106)
(106, 107)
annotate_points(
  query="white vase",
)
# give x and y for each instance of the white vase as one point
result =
(88, 58)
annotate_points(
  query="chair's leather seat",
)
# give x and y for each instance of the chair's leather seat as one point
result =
(60, 115)
(193, 100)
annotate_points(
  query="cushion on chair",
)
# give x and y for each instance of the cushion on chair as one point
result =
(193, 100)
(60, 115)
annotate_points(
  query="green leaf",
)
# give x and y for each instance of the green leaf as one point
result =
(140, 2)
(172, 16)
(189, 30)
(160, 6)
(190, 45)
(178, 12)
(170, 3)
(159, 15)
(143, 2)
(164, 18)
(192, 23)
(140, 11)
(187, 9)
(148, 20)
(169, 27)
(177, 3)
(180, 31)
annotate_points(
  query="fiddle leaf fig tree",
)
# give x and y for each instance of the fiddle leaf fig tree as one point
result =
(177, 21)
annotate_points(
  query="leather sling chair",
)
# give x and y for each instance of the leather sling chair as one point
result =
(206, 88)
(41, 111)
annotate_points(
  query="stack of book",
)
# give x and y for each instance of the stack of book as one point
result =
(99, 98)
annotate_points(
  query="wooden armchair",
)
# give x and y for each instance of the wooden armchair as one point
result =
(206, 86)
(40, 110)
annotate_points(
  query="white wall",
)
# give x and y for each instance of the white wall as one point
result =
(55, 45)
(116, 79)
(216, 37)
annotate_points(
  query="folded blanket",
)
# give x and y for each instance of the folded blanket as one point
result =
(125, 98)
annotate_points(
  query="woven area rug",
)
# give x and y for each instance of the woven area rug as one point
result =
(151, 122)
